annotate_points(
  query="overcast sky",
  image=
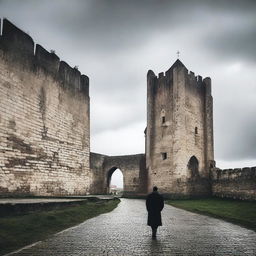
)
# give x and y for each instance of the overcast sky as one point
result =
(115, 42)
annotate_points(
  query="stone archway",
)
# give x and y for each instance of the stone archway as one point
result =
(109, 177)
(133, 168)
(193, 167)
(197, 185)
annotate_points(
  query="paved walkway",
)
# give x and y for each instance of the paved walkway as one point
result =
(124, 232)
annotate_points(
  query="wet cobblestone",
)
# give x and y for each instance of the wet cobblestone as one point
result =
(124, 232)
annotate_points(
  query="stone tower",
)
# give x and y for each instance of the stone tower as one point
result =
(179, 134)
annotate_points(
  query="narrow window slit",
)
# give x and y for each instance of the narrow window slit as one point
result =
(164, 155)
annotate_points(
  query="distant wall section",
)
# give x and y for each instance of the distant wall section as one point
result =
(234, 183)
(133, 168)
(44, 120)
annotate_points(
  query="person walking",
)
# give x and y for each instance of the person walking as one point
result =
(154, 205)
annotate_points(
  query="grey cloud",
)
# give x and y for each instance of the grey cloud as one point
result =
(104, 27)
(114, 42)
(234, 119)
(116, 119)
(235, 44)
(108, 25)
(237, 136)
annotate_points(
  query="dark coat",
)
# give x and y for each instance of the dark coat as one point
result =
(154, 204)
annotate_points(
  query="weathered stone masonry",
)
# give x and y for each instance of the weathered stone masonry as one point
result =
(44, 120)
(234, 183)
(179, 135)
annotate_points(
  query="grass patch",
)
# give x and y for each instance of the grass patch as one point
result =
(239, 212)
(22, 230)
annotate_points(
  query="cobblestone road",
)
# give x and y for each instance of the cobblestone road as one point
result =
(124, 232)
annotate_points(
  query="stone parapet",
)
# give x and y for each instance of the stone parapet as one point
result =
(19, 48)
(239, 183)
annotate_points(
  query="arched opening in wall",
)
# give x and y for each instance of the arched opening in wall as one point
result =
(115, 181)
(193, 166)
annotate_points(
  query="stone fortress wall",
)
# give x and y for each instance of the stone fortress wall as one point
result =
(239, 183)
(44, 120)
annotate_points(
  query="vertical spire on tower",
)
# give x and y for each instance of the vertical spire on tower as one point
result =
(178, 54)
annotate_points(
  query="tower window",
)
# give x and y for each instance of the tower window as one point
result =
(164, 155)
(196, 130)
(162, 116)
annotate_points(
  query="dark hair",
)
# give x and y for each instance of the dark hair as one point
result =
(155, 188)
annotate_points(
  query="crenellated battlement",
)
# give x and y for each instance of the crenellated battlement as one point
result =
(18, 47)
(191, 73)
(199, 79)
(234, 174)
(161, 75)
(15, 41)
(166, 78)
(50, 62)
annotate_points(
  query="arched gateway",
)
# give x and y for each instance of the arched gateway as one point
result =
(110, 174)
(133, 168)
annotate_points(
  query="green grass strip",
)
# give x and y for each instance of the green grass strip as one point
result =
(22, 230)
(238, 212)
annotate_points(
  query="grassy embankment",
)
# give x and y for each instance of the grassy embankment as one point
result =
(238, 212)
(21, 230)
